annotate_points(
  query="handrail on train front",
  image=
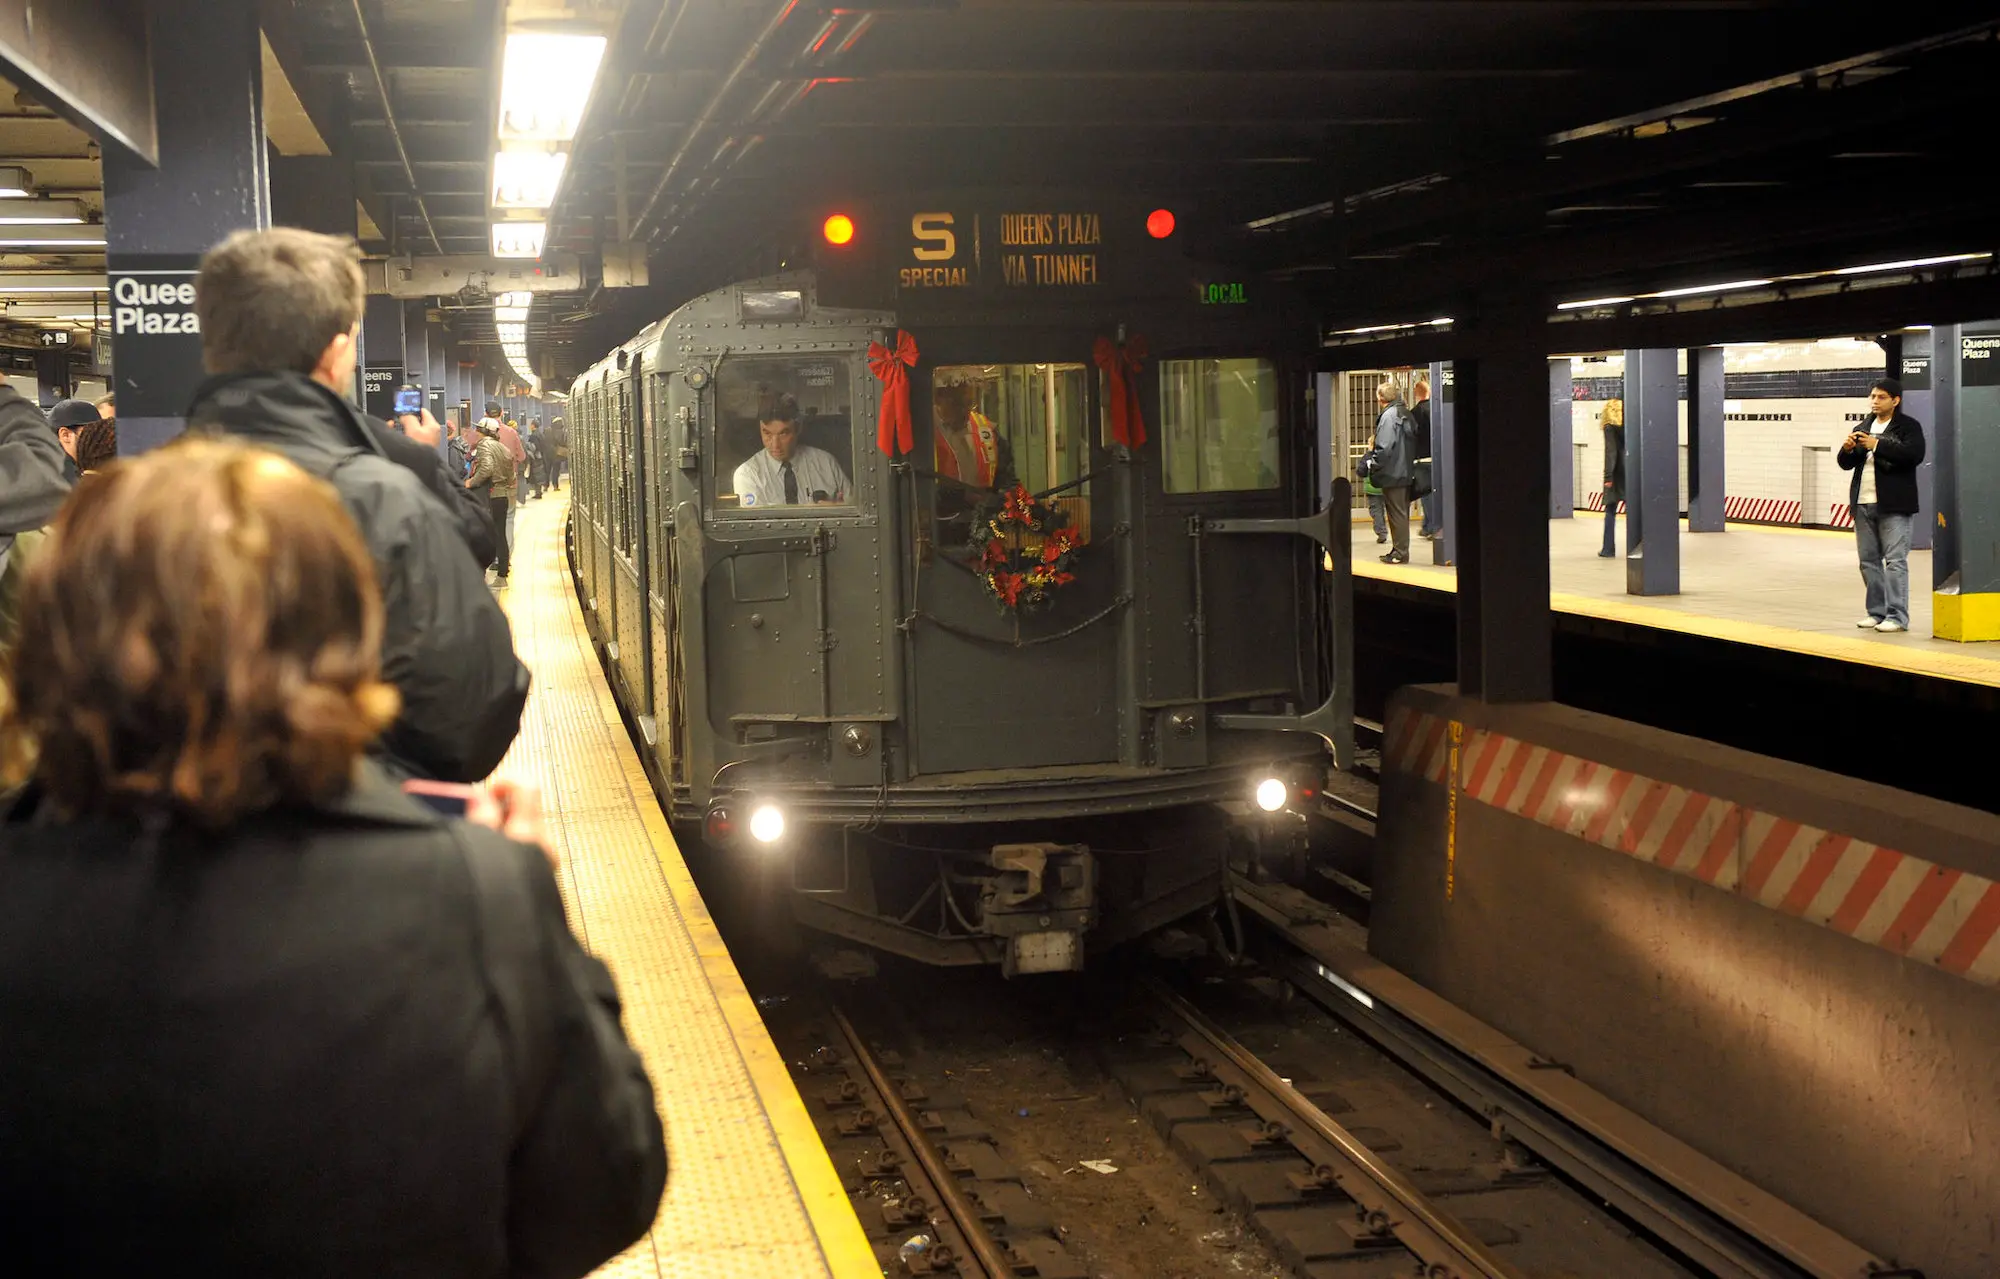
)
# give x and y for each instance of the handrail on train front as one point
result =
(1333, 719)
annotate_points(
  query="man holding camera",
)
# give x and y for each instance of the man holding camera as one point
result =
(1884, 451)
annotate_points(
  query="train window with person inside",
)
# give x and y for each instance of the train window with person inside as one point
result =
(999, 425)
(1219, 425)
(784, 434)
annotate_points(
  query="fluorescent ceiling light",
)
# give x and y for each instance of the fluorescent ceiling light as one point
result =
(1590, 302)
(545, 83)
(521, 299)
(519, 239)
(15, 182)
(64, 310)
(16, 212)
(76, 237)
(1708, 288)
(1910, 263)
(512, 332)
(510, 315)
(40, 283)
(527, 179)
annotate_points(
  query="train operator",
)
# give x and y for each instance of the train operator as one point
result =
(785, 472)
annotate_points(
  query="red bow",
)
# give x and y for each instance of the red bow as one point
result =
(1128, 425)
(893, 433)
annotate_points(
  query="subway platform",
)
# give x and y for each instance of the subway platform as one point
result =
(751, 1191)
(1796, 590)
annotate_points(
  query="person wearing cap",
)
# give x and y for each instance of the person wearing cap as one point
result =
(69, 417)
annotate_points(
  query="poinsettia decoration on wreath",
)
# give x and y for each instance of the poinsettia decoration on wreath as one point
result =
(1023, 550)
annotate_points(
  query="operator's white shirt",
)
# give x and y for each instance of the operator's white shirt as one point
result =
(761, 480)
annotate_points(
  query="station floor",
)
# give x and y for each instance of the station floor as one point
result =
(1793, 589)
(751, 1192)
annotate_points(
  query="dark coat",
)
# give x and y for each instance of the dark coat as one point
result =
(445, 644)
(1614, 461)
(32, 464)
(475, 522)
(1422, 416)
(1898, 454)
(357, 1040)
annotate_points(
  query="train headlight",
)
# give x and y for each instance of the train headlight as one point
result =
(1271, 794)
(767, 824)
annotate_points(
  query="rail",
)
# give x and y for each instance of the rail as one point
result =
(965, 1216)
(1390, 1202)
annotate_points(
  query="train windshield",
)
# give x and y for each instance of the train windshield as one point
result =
(784, 433)
(1004, 424)
(1219, 425)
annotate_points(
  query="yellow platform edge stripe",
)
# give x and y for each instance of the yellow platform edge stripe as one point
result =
(1859, 652)
(842, 1242)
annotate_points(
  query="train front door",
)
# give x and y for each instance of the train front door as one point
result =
(1000, 680)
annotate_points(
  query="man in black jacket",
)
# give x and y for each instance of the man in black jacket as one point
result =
(32, 486)
(1884, 451)
(280, 315)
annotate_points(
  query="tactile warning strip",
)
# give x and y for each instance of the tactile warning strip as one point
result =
(751, 1191)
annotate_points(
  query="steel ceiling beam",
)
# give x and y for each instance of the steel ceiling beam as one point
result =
(389, 114)
(88, 60)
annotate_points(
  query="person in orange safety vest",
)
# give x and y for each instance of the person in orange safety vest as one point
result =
(969, 447)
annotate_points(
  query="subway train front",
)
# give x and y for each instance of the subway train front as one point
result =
(995, 680)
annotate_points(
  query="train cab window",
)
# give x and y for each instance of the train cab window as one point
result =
(1219, 425)
(784, 435)
(998, 425)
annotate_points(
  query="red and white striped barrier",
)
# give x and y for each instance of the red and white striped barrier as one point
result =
(1761, 510)
(1841, 516)
(1755, 510)
(1905, 905)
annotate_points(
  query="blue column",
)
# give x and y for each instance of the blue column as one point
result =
(1332, 461)
(1444, 463)
(1707, 480)
(1562, 451)
(1911, 366)
(1652, 473)
(381, 353)
(212, 179)
(1965, 440)
(416, 346)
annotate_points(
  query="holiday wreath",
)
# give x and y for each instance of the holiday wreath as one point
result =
(1023, 550)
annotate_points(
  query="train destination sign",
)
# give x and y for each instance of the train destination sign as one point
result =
(954, 251)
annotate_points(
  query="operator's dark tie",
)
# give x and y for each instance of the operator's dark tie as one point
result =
(791, 486)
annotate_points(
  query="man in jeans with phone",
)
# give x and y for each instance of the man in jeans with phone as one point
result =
(1884, 451)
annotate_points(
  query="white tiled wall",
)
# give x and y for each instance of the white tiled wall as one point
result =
(1766, 441)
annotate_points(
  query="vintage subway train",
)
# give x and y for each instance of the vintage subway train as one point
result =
(977, 728)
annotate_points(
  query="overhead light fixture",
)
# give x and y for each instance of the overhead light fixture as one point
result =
(54, 237)
(40, 283)
(16, 183)
(16, 212)
(1911, 263)
(1692, 290)
(545, 84)
(527, 179)
(512, 332)
(510, 315)
(521, 298)
(519, 239)
(1587, 303)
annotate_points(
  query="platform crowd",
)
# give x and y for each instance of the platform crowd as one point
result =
(286, 985)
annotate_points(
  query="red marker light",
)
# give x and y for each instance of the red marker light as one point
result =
(839, 229)
(1160, 223)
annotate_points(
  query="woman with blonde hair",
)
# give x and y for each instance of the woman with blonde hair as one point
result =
(1614, 473)
(263, 1013)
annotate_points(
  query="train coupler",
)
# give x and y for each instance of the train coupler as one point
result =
(1040, 905)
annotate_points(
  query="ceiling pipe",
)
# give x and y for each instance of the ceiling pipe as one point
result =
(779, 12)
(395, 130)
